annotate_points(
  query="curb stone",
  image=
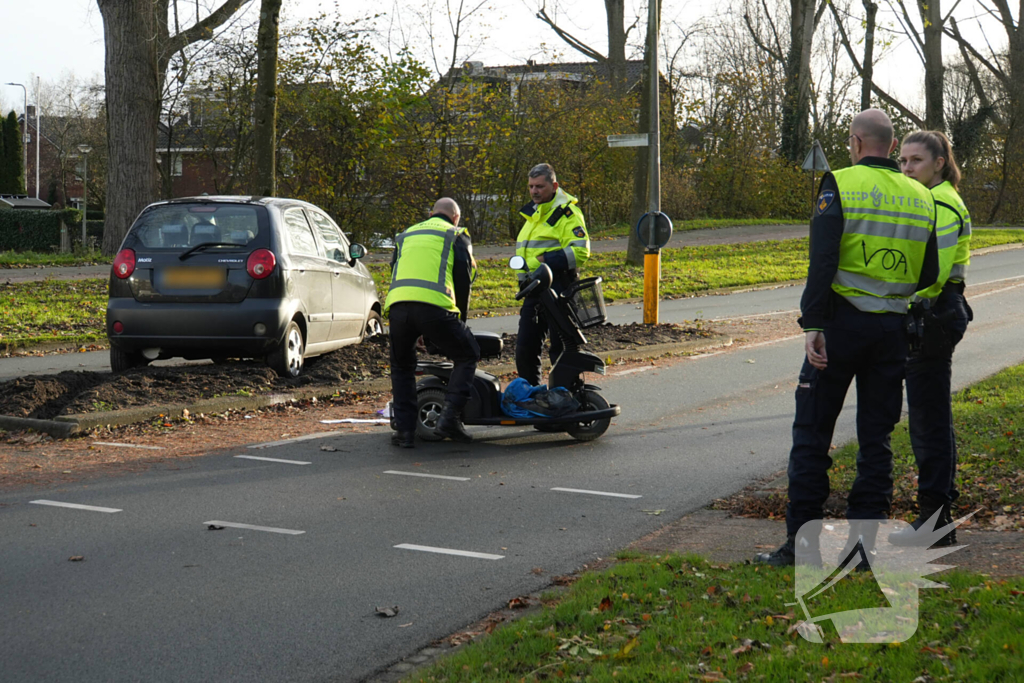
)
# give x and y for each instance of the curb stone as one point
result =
(64, 426)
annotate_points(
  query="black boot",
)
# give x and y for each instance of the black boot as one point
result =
(922, 531)
(450, 426)
(404, 439)
(783, 556)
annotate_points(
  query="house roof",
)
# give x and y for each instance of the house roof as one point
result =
(634, 69)
(20, 201)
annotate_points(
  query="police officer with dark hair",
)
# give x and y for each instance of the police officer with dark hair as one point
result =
(432, 270)
(556, 234)
(872, 246)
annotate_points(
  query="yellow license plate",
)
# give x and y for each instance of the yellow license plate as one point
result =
(193, 278)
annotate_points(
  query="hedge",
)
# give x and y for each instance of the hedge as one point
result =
(35, 230)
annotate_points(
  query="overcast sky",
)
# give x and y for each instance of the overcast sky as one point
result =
(66, 36)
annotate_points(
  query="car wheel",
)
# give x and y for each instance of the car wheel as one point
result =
(429, 404)
(125, 360)
(374, 325)
(588, 431)
(286, 359)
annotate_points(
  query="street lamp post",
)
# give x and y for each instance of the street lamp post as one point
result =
(24, 137)
(85, 149)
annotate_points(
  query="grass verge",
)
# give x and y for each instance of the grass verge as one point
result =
(987, 417)
(33, 313)
(681, 618)
(623, 229)
(34, 259)
(59, 311)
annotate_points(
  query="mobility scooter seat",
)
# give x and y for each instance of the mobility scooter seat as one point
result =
(490, 344)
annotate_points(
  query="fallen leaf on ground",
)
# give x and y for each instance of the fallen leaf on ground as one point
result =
(329, 449)
(746, 668)
(76, 558)
(518, 603)
(605, 605)
(214, 527)
(387, 612)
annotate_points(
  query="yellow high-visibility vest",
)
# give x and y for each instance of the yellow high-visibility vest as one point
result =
(424, 265)
(888, 219)
(553, 226)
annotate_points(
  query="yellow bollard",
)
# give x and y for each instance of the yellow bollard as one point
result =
(652, 275)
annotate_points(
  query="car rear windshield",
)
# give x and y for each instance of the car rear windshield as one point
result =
(182, 226)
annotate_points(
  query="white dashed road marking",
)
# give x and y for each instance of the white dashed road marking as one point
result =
(287, 462)
(273, 530)
(74, 506)
(127, 445)
(307, 437)
(449, 551)
(632, 370)
(598, 493)
(428, 476)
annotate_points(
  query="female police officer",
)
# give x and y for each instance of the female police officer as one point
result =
(927, 157)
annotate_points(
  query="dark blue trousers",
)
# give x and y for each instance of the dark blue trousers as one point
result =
(928, 401)
(408, 320)
(871, 347)
(533, 327)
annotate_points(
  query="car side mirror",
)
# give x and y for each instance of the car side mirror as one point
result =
(356, 251)
(517, 263)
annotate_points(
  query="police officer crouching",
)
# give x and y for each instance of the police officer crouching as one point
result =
(431, 274)
(872, 246)
(554, 233)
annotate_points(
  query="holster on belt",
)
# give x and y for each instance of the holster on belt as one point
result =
(927, 336)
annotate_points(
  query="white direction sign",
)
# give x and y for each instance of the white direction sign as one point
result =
(630, 140)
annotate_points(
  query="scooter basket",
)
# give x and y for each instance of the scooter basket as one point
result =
(587, 302)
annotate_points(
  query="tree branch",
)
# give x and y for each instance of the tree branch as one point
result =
(573, 42)
(972, 73)
(954, 33)
(203, 30)
(884, 96)
(777, 56)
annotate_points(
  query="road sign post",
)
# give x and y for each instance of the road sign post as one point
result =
(815, 161)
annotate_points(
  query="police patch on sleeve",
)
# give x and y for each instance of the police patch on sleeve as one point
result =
(578, 231)
(825, 200)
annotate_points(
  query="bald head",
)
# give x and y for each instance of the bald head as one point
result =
(448, 207)
(871, 134)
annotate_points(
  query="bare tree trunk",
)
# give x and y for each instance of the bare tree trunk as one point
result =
(796, 106)
(133, 110)
(138, 49)
(615, 11)
(934, 71)
(870, 12)
(265, 133)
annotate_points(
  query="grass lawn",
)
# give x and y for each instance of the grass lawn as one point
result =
(680, 618)
(989, 421)
(60, 311)
(22, 259)
(623, 229)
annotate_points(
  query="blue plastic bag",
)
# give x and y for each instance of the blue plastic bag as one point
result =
(518, 390)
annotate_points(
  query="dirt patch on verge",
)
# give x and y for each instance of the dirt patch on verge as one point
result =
(69, 393)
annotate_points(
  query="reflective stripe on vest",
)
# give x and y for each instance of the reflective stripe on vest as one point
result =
(887, 222)
(437, 285)
(947, 195)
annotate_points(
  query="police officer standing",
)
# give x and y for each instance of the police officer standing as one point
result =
(556, 234)
(927, 157)
(429, 296)
(872, 246)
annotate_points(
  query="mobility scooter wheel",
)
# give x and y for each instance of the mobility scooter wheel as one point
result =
(588, 431)
(429, 403)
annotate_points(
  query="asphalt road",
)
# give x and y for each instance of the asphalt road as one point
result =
(159, 597)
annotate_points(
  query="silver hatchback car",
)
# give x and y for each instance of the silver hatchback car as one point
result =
(231, 277)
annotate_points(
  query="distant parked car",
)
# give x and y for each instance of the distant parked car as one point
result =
(237, 277)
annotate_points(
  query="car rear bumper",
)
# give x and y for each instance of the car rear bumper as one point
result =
(223, 327)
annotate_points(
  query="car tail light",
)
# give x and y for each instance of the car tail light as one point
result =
(124, 264)
(260, 264)
(118, 327)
